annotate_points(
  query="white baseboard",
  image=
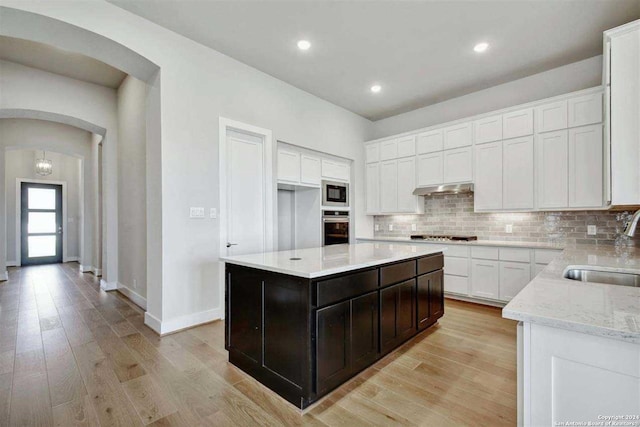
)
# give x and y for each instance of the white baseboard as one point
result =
(108, 286)
(4, 276)
(138, 299)
(71, 259)
(12, 263)
(97, 271)
(182, 322)
(86, 268)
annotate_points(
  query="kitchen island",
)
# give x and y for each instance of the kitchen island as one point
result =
(303, 322)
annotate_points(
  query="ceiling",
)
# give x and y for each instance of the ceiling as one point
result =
(54, 60)
(420, 52)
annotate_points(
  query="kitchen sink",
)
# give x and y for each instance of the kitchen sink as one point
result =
(607, 277)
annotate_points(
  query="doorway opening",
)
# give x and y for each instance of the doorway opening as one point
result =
(41, 223)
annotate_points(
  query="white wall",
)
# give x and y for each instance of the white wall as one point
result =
(132, 203)
(569, 78)
(21, 164)
(54, 138)
(27, 88)
(198, 85)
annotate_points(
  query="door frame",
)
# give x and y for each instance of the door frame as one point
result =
(267, 136)
(19, 182)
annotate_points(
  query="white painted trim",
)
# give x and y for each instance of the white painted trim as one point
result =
(71, 259)
(4, 276)
(182, 322)
(96, 271)
(12, 263)
(108, 286)
(85, 268)
(269, 149)
(138, 299)
(19, 182)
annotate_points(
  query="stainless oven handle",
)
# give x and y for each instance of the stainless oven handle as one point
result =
(335, 219)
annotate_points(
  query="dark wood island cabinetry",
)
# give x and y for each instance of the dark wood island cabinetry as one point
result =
(303, 337)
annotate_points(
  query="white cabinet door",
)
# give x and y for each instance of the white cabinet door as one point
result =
(585, 167)
(488, 129)
(430, 169)
(373, 188)
(458, 166)
(389, 186)
(517, 173)
(585, 110)
(372, 152)
(428, 142)
(457, 136)
(514, 276)
(488, 180)
(485, 278)
(309, 170)
(406, 146)
(456, 284)
(336, 170)
(389, 150)
(517, 123)
(407, 202)
(552, 116)
(552, 169)
(288, 166)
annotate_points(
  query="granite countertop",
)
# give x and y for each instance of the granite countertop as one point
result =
(327, 260)
(501, 243)
(599, 309)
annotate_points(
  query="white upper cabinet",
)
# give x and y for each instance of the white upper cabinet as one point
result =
(488, 180)
(310, 170)
(373, 188)
(488, 129)
(517, 123)
(389, 186)
(457, 136)
(622, 78)
(406, 184)
(430, 169)
(336, 170)
(458, 166)
(585, 167)
(553, 116)
(552, 169)
(372, 152)
(429, 142)
(585, 110)
(517, 160)
(406, 146)
(389, 150)
(288, 166)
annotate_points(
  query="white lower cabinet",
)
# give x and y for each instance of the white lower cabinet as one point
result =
(571, 376)
(373, 188)
(485, 278)
(456, 284)
(514, 276)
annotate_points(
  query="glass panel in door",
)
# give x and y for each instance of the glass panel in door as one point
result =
(41, 223)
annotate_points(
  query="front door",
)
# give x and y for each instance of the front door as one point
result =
(41, 223)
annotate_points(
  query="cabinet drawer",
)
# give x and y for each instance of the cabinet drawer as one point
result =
(430, 263)
(397, 272)
(456, 266)
(517, 255)
(485, 253)
(456, 284)
(545, 256)
(340, 288)
(457, 251)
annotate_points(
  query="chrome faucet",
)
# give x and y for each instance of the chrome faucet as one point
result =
(630, 229)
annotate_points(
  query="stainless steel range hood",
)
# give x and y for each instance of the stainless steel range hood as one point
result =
(443, 189)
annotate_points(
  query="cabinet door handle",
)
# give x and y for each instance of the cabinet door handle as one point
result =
(485, 265)
(514, 268)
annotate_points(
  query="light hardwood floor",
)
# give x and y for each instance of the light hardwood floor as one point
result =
(71, 354)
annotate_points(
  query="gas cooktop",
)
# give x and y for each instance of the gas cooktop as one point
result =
(443, 238)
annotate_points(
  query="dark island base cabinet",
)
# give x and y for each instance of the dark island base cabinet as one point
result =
(302, 338)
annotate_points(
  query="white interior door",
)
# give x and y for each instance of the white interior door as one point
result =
(248, 192)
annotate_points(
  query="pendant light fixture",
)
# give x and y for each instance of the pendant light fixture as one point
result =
(44, 167)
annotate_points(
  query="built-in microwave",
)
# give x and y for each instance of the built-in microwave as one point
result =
(335, 194)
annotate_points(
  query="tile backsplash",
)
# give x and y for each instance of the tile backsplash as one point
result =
(453, 214)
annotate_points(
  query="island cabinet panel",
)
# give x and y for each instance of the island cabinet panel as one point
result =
(343, 287)
(333, 345)
(245, 302)
(365, 331)
(397, 314)
(430, 299)
(397, 272)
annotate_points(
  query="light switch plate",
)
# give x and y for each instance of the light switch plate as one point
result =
(592, 230)
(390, 227)
(508, 228)
(414, 227)
(196, 212)
(213, 213)
(376, 227)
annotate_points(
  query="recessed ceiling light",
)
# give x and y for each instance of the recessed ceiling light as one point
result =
(376, 88)
(481, 47)
(304, 44)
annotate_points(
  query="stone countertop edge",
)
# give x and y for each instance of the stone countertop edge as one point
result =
(498, 243)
